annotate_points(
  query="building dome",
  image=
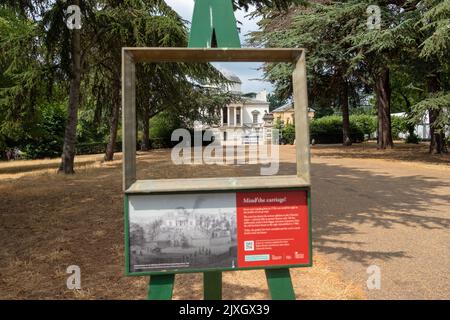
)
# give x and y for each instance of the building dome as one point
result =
(234, 87)
(231, 76)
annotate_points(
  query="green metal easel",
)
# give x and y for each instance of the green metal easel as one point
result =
(278, 280)
(214, 25)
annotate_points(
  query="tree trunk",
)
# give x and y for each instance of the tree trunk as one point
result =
(383, 93)
(437, 135)
(411, 127)
(70, 135)
(145, 146)
(113, 122)
(346, 140)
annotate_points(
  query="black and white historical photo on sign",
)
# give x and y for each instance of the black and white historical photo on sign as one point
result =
(183, 231)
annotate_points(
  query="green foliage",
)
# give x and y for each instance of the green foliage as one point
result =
(414, 138)
(261, 4)
(437, 101)
(329, 129)
(288, 133)
(21, 75)
(413, 43)
(275, 102)
(36, 66)
(46, 138)
(278, 124)
(89, 128)
(367, 124)
(201, 105)
(435, 23)
(399, 125)
(162, 126)
(324, 111)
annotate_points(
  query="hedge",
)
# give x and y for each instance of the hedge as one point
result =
(329, 129)
(365, 123)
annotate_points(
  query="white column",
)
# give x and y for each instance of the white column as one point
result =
(228, 115)
(221, 117)
(235, 116)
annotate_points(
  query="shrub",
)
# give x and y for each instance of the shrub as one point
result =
(329, 130)
(90, 129)
(414, 138)
(364, 122)
(398, 125)
(288, 134)
(46, 138)
(162, 126)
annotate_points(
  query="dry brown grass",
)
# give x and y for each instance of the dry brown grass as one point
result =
(318, 282)
(408, 154)
(50, 221)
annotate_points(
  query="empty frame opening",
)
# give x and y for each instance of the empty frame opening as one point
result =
(208, 119)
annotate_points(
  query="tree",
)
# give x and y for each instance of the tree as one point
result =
(137, 236)
(70, 135)
(434, 23)
(264, 4)
(159, 86)
(274, 102)
(154, 229)
(342, 51)
(177, 88)
(128, 25)
(371, 52)
(24, 76)
(69, 49)
(21, 74)
(406, 91)
(329, 71)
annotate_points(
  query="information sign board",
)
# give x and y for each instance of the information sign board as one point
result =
(196, 232)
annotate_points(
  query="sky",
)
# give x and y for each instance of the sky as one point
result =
(247, 72)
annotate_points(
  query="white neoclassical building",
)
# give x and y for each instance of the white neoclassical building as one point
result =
(245, 122)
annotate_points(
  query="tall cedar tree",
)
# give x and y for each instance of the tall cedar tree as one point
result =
(337, 38)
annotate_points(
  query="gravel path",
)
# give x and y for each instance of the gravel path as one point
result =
(390, 214)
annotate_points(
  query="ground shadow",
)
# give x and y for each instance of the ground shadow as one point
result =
(344, 197)
(54, 220)
(401, 152)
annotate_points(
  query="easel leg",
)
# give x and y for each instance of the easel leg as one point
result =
(161, 287)
(212, 285)
(280, 284)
